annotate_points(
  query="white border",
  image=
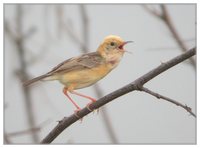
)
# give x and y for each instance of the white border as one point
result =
(99, 1)
(96, 1)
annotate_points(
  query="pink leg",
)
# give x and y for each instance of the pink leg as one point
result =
(65, 92)
(84, 96)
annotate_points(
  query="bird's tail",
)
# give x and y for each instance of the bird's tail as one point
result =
(26, 83)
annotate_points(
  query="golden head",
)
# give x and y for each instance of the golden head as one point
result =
(112, 45)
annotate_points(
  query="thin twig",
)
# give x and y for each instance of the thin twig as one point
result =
(85, 34)
(169, 23)
(165, 17)
(28, 131)
(154, 12)
(135, 85)
(23, 69)
(18, 40)
(7, 139)
(159, 96)
(73, 36)
(29, 33)
(59, 16)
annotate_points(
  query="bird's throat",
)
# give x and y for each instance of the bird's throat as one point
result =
(114, 60)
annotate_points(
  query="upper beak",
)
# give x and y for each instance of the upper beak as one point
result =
(122, 45)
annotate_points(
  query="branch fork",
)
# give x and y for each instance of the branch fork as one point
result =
(136, 85)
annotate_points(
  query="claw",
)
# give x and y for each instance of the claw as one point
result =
(97, 110)
(76, 114)
(88, 106)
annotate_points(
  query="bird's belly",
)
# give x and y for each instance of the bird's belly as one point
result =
(85, 77)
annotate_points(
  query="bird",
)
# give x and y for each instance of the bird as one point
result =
(86, 69)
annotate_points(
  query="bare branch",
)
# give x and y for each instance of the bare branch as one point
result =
(73, 36)
(165, 17)
(157, 95)
(29, 33)
(9, 32)
(135, 85)
(154, 12)
(59, 15)
(23, 132)
(85, 22)
(19, 41)
(7, 139)
(28, 131)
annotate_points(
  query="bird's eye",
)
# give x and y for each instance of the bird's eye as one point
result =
(112, 43)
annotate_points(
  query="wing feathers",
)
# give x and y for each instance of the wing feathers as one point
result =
(85, 61)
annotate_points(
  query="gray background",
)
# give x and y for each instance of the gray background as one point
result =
(136, 117)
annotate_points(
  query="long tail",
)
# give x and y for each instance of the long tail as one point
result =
(26, 83)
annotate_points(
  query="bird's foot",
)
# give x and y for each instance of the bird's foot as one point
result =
(76, 114)
(92, 110)
(97, 110)
(88, 106)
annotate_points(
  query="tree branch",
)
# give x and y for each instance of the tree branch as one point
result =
(153, 12)
(73, 36)
(85, 26)
(157, 95)
(19, 40)
(7, 139)
(165, 17)
(135, 85)
(28, 131)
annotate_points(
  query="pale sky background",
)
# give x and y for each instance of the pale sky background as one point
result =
(136, 117)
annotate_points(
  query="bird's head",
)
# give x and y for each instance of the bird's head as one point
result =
(112, 45)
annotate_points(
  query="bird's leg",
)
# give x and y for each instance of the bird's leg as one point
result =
(65, 92)
(84, 96)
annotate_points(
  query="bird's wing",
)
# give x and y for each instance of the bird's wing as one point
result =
(85, 61)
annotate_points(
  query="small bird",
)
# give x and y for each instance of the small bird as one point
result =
(85, 70)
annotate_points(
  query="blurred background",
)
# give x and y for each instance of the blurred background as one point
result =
(38, 37)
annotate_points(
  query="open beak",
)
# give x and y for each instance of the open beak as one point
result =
(122, 45)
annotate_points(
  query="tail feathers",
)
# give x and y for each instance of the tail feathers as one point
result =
(26, 83)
